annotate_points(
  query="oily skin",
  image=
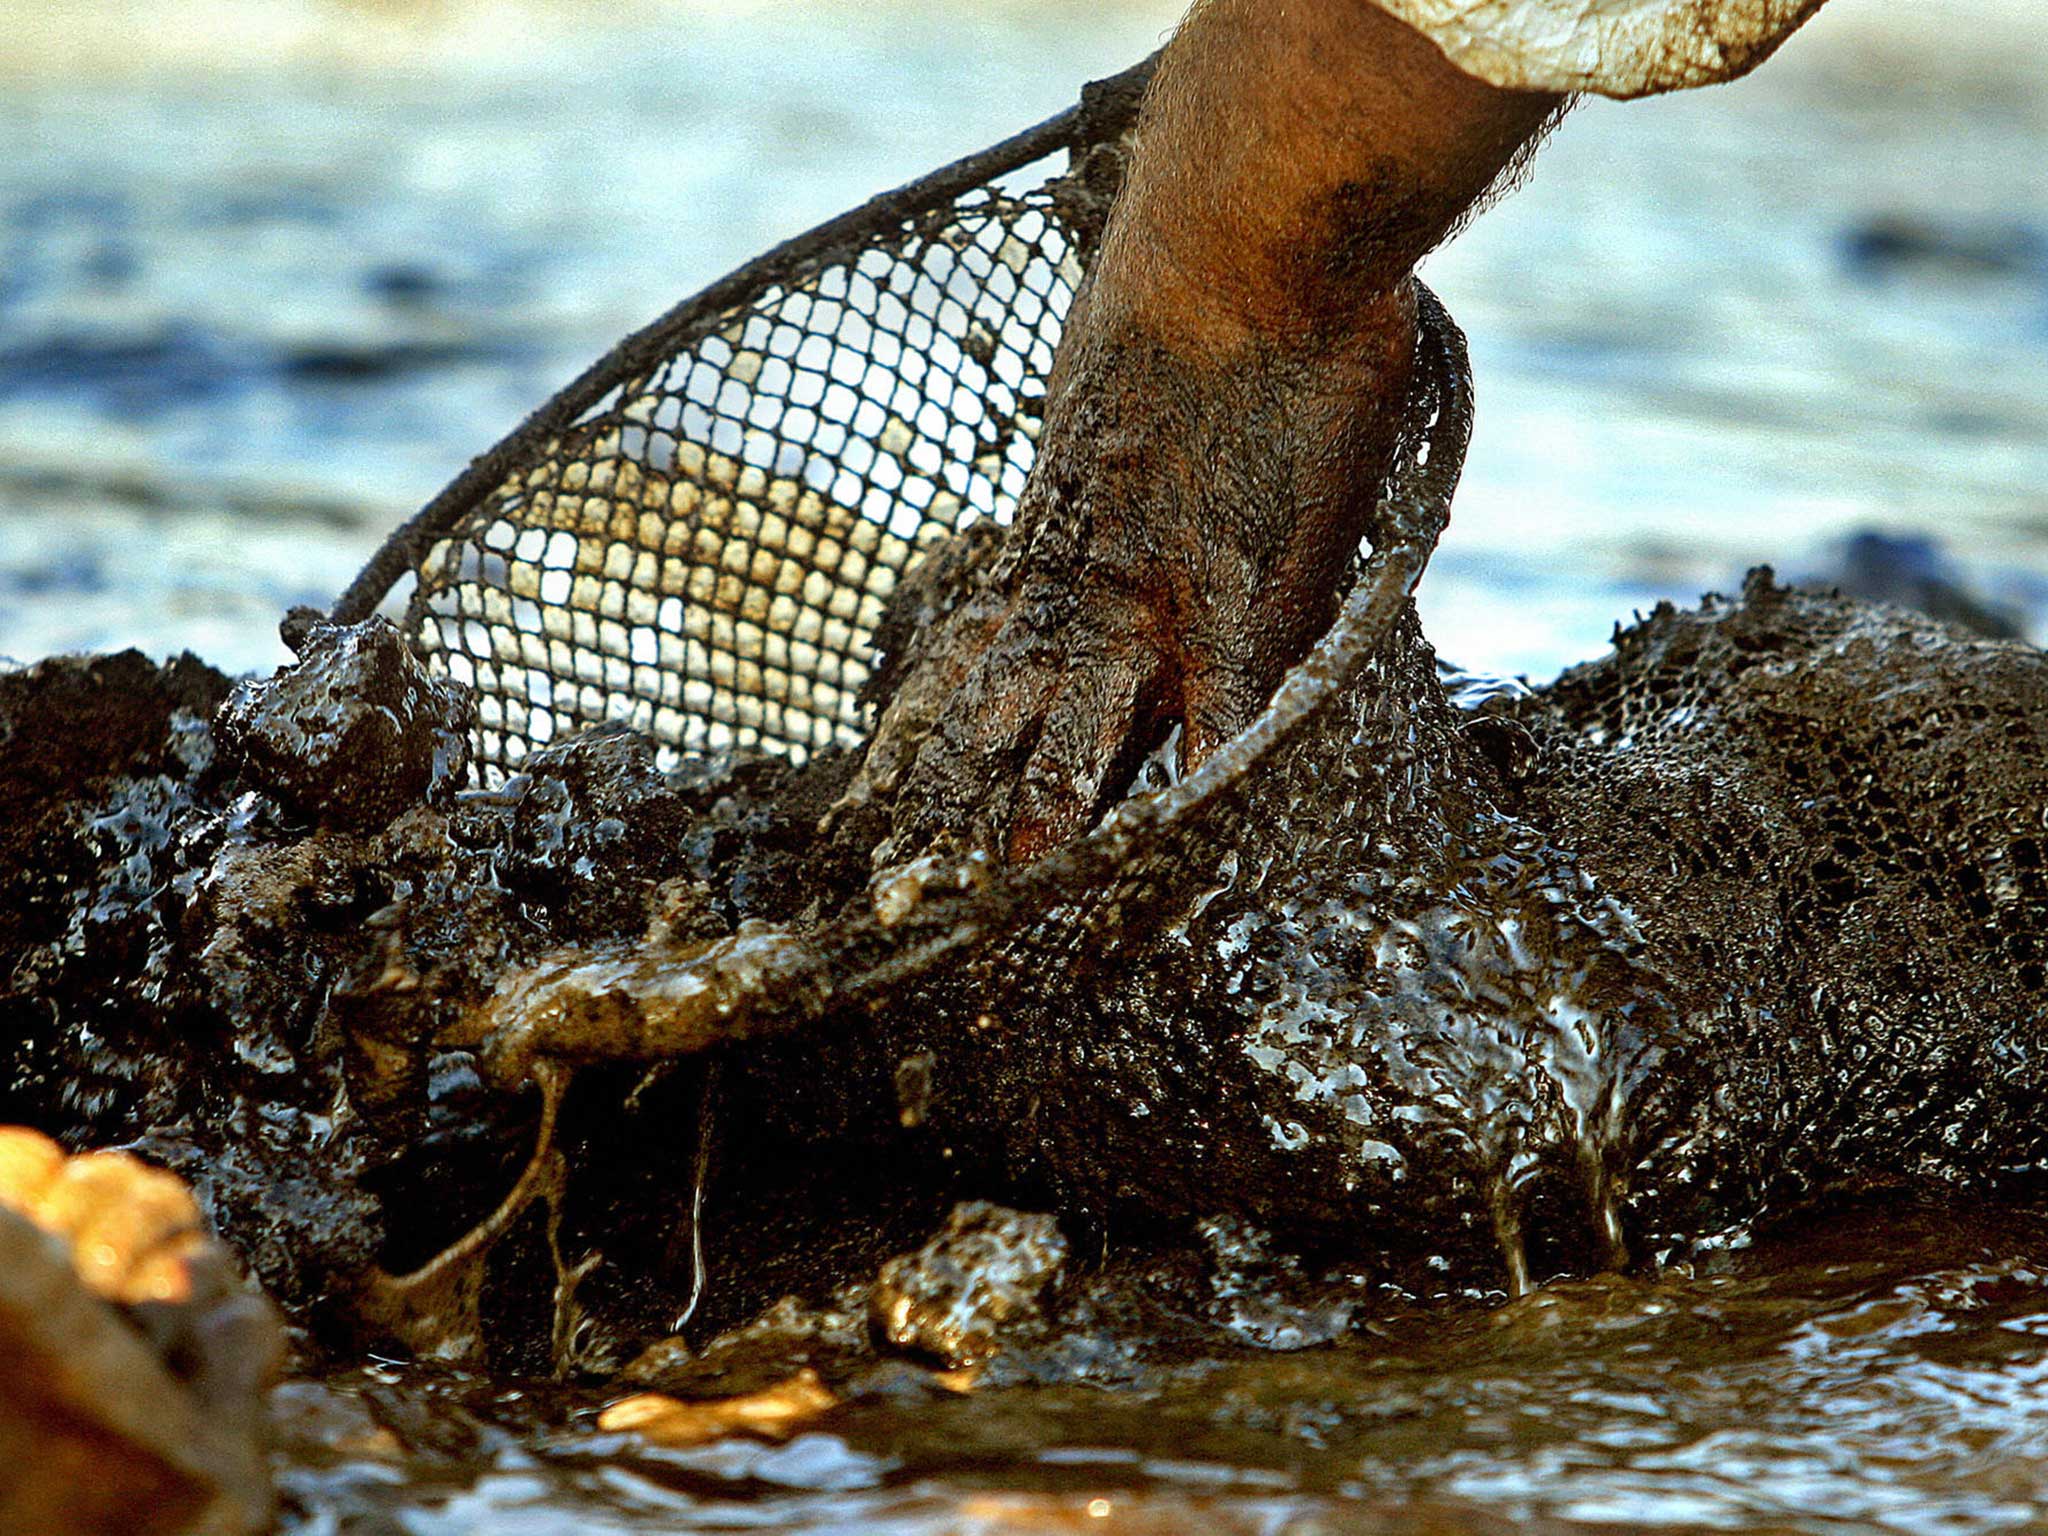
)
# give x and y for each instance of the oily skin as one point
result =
(1218, 423)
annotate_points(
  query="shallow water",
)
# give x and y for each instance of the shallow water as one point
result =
(1883, 1372)
(260, 297)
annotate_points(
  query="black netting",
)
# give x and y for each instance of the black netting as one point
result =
(705, 551)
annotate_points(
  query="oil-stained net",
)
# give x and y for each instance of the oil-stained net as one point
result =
(706, 553)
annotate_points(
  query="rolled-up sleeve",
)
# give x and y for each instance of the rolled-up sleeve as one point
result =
(1605, 47)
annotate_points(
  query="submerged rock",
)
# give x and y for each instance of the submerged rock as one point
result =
(984, 1276)
(133, 1365)
(1910, 571)
(773, 1413)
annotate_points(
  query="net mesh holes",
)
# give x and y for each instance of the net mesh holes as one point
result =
(706, 550)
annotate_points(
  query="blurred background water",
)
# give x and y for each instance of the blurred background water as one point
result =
(271, 271)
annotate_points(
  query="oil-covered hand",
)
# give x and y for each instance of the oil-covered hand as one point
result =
(1181, 544)
(1222, 413)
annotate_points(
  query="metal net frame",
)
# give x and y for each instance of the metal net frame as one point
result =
(698, 536)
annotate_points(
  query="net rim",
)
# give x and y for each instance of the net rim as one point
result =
(1105, 109)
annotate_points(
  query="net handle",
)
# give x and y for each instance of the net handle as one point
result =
(1106, 108)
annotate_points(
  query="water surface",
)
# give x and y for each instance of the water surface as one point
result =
(1882, 1371)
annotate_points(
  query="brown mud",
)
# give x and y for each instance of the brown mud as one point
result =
(1773, 870)
(1735, 923)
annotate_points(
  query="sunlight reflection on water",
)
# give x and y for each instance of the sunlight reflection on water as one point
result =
(1877, 1374)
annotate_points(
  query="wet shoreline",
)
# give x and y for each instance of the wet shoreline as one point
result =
(1871, 1375)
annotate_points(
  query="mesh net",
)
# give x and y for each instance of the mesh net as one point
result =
(704, 552)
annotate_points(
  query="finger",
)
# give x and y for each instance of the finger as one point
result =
(1219, 701)
(116, 1211)
(920, 698)
(966, 767)
(1099, 727)
(29, 1160)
